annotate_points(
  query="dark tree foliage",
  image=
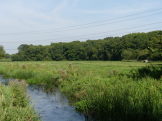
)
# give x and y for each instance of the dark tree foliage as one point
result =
(32, 53)
(135, 46)
(2, 52)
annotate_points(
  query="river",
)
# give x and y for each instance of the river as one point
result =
(51, 106)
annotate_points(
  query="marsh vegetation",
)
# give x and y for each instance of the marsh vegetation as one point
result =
(103, 90)
(15, 104)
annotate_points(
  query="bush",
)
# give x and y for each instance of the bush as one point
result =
(148, 71)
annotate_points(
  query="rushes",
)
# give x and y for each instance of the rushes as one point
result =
(123, 100)
(14, 103)
(153, 71)
(103, 90)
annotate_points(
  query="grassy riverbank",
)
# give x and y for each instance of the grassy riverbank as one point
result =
(14, 105)
(104, 90)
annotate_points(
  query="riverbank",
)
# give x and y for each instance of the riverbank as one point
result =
(104, 90)
(14, 104)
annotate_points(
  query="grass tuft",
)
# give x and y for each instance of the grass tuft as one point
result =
(14, 103)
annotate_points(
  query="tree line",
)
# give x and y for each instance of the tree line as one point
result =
(134, 46)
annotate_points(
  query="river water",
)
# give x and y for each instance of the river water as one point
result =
(51, 106)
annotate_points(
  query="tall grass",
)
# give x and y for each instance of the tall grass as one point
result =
(153, 71)
(123, 100)
(99, 89)
(14, 105)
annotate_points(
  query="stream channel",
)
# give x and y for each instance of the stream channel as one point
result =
(51, 106)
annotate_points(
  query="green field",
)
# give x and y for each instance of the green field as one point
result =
(105, 90)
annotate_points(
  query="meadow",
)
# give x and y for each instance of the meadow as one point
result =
(104, 90)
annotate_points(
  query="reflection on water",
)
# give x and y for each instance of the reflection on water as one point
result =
(4, 81)
(53, 106)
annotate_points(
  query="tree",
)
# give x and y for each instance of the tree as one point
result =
(2, 52)
(135, 46)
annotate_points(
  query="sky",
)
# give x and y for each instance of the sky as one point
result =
(41, 22)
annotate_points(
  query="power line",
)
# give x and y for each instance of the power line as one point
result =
(106, 32)
(111, 35)
(121, 29)
(101, 23)
(116, 18)
(106, 35)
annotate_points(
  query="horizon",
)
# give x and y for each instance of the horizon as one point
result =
(52, 21)
(83, 40)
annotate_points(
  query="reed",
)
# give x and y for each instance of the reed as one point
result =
(15, 104)
(123, 100)
(103, 90)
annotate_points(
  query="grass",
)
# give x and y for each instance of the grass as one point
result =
(153, 71)
(104, 90)
(14, 103)
(123, 99)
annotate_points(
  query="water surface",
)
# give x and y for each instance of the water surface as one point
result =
(53, 106)
(50, 106)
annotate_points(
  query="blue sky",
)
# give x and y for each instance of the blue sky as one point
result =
(46, 21)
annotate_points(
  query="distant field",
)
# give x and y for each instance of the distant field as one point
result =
(93, 66)
(101, 89)
(90, 68)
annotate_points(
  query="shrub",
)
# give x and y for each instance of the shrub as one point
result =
(148, 71)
